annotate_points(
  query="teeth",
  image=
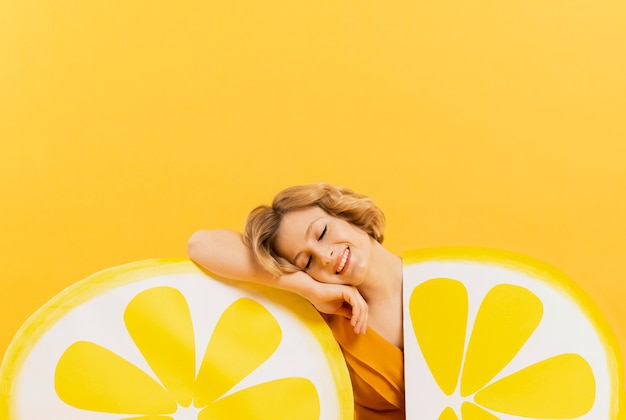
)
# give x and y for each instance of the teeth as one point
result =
(344, 259)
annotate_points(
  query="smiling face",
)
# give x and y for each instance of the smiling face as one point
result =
(329, 249)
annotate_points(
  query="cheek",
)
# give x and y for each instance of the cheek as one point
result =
(317, 274)
(320, 276)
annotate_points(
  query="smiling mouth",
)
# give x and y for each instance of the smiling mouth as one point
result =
(343, 261)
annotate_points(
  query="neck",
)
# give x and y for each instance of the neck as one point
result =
(385, 278)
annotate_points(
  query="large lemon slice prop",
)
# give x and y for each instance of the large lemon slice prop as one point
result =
(160, 339)
(491, 335)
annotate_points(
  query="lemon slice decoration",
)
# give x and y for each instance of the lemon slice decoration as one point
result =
(161, 340)
(494, 335)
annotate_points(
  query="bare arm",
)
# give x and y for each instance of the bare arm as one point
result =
(224, 253)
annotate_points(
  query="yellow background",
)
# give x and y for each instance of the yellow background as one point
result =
(125, 126)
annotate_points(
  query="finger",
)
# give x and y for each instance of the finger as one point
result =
(344, 311)
(359, 309)
(361, 325)
(359, 316)
(353, 299)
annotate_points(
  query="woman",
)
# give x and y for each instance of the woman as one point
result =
(324, 243)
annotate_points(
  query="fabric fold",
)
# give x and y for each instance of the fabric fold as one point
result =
(376, 369)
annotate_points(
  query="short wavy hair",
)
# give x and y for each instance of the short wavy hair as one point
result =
(263, 222)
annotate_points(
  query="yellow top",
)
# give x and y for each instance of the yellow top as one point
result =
(376, 369)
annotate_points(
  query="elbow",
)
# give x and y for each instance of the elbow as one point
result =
(219, 251)
(195, 245)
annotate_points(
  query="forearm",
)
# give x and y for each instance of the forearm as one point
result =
(224, 253)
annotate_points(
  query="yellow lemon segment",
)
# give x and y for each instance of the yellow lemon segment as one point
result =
(159, 322)
(442, 342)
(471, 411)
(506, 318)
(560, 387)
(448, 414)
(121, 388)
(246, 335)
(286, 399)
(528, 343)
(163, 340)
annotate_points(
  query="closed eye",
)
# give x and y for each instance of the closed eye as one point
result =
(323, 233)
(308, 262)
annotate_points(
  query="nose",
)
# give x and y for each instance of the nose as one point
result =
(326, 254)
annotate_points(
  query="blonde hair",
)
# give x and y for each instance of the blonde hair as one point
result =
(263, 222)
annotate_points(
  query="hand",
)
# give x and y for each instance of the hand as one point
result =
(342, 300)
(334, 299)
